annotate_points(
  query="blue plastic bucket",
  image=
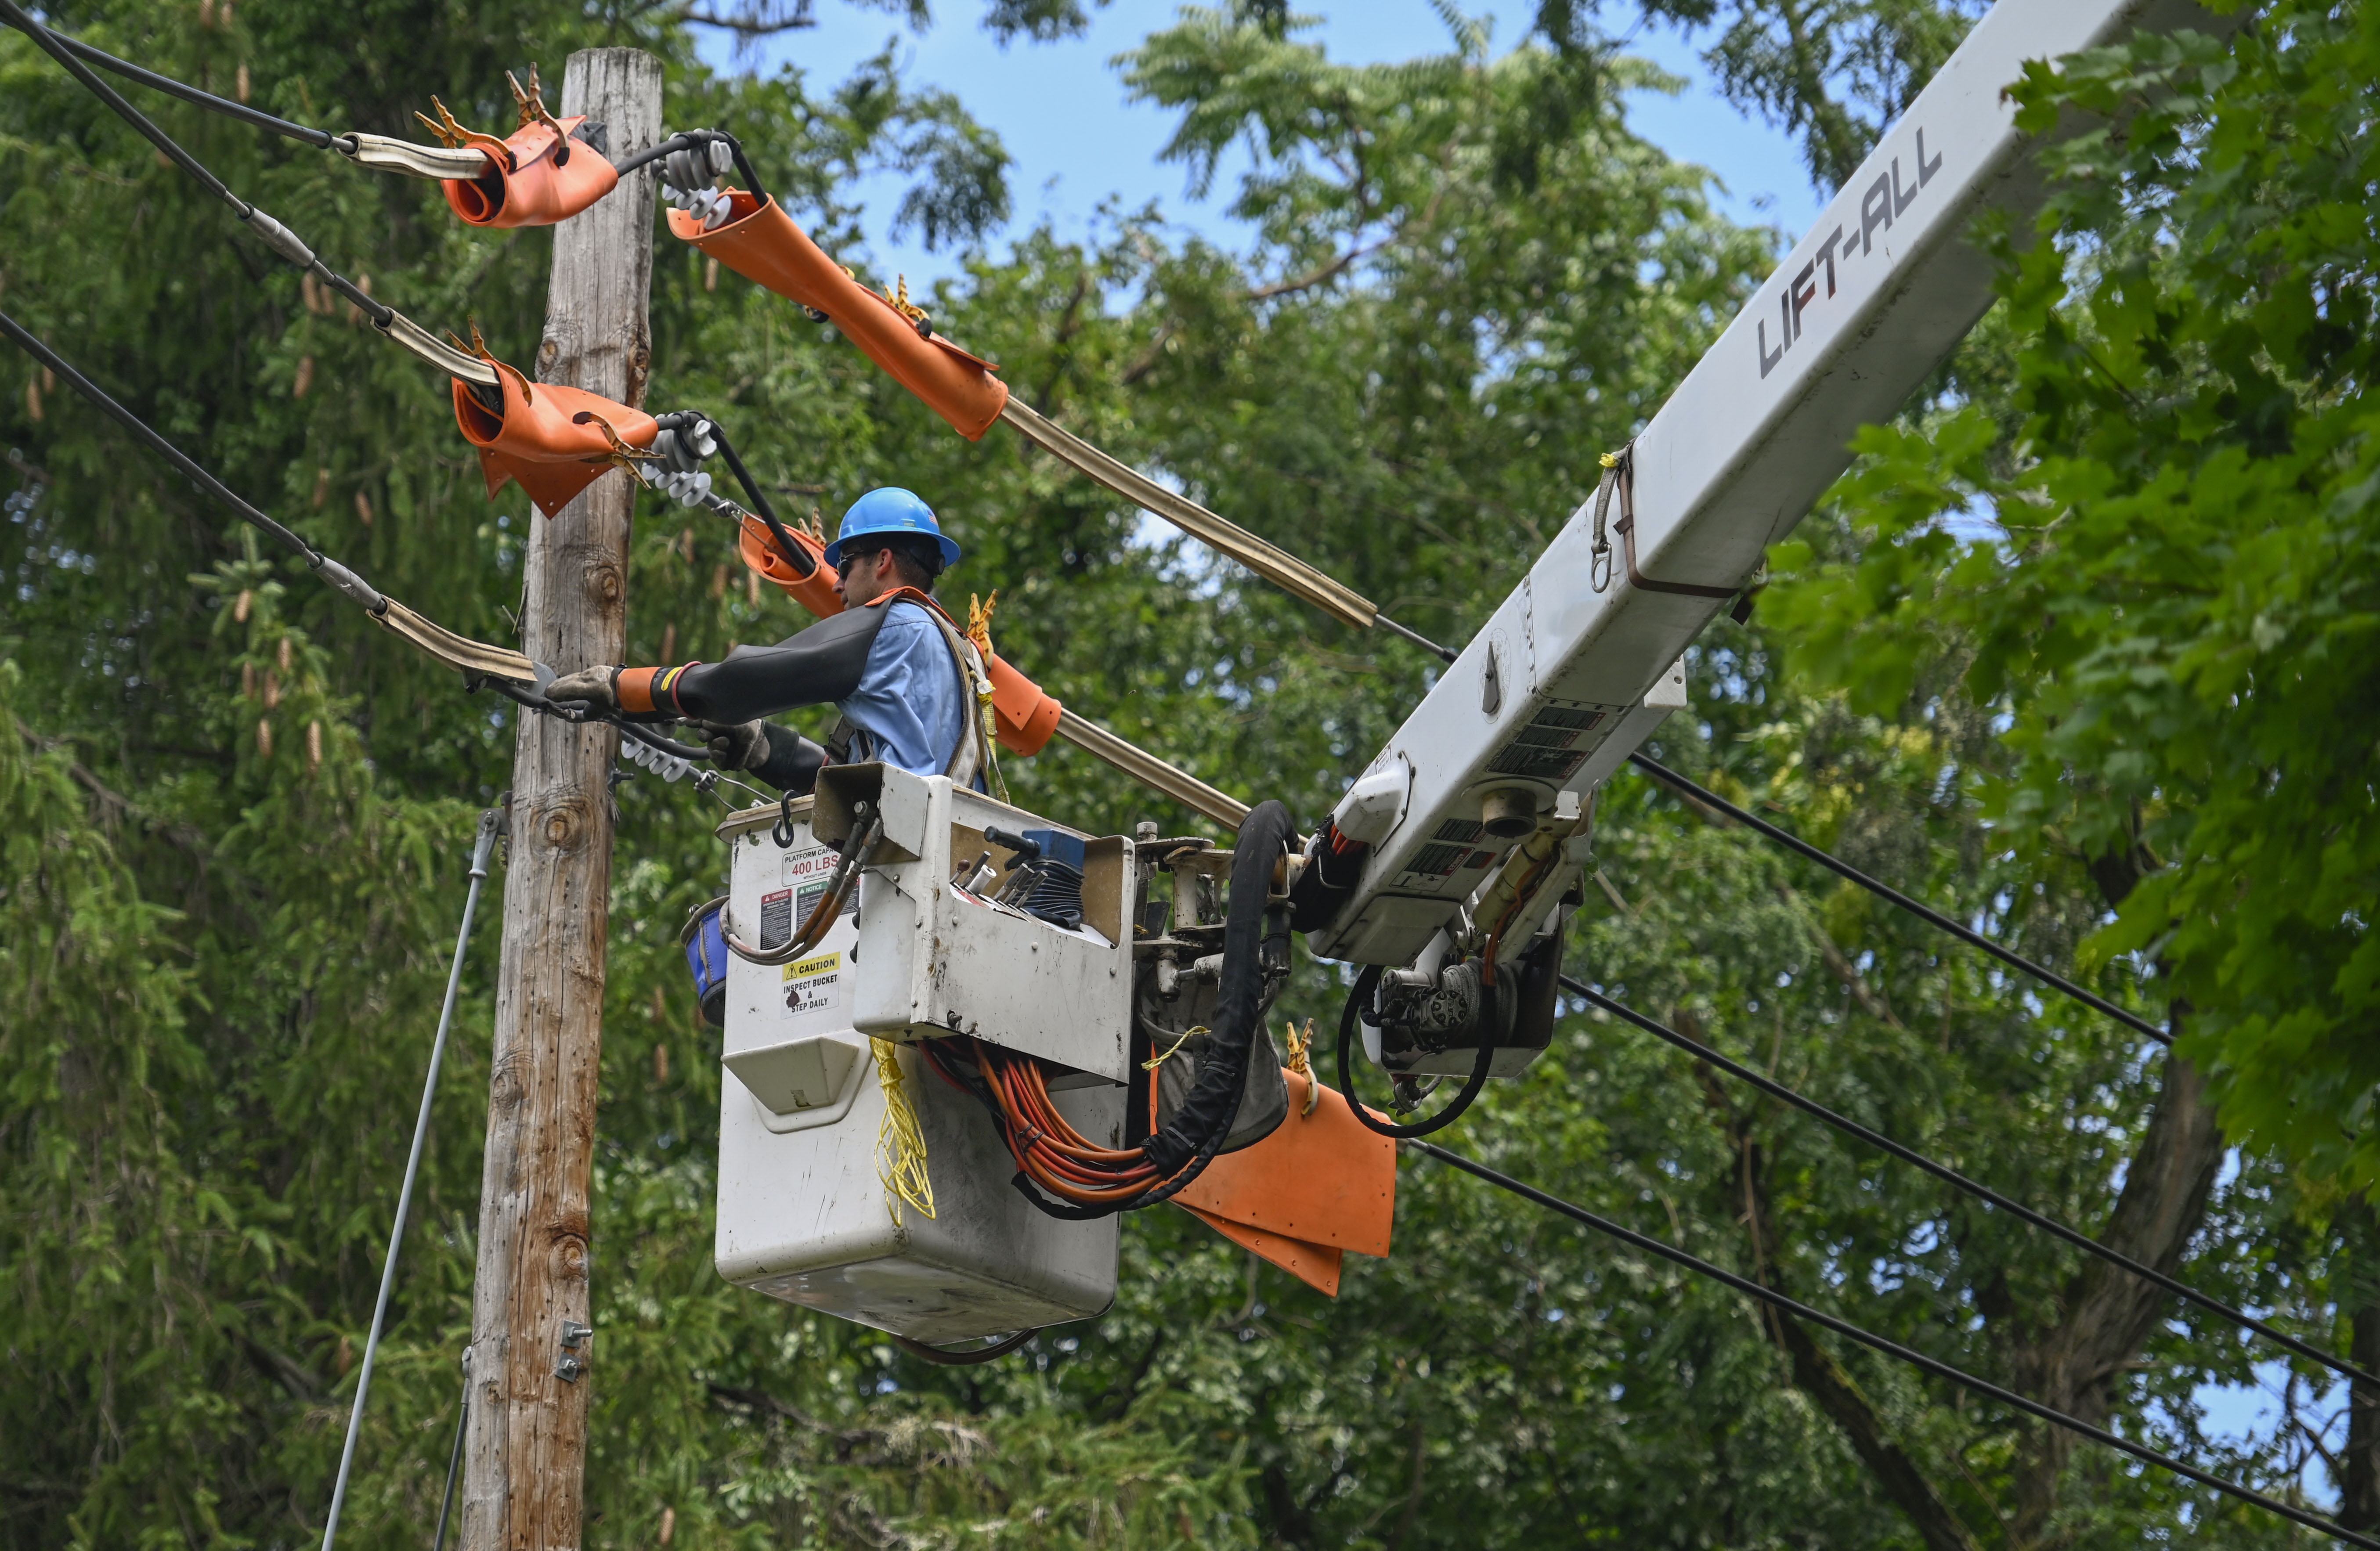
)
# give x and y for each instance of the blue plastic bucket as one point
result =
(705, 957)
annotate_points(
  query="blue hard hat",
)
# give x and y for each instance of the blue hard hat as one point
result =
(888, 511)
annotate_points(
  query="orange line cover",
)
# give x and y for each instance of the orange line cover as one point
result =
(549, 438)
(762, 243)
(534, 178)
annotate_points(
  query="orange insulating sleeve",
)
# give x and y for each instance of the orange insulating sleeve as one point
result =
(538, 439)
(534, 178)
(762, 244)
(1022, 715)
(815, 591)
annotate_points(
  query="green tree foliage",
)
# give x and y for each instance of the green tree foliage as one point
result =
(235, 818)
(2159, 555)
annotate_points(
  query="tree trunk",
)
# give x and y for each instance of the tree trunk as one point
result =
(526, 1454)
(2109, 1312)
(2358, 1486)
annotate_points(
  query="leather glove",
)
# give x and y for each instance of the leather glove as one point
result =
(590, 685)
(738, 745)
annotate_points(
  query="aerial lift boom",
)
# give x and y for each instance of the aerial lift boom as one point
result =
(1581, 663)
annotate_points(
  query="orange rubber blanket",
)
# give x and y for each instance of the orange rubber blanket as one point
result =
(762, 243)
(535, 176)
(551, 439)
(1320, 1185)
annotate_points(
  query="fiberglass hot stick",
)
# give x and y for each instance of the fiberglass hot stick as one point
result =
(278, 238)
(1981, 1192)
(1893, 1348)
(1886, 891)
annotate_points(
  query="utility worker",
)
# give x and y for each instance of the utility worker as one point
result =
(903, 677)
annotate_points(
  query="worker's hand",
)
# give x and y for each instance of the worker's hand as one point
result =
(590, 685)
(737, 745)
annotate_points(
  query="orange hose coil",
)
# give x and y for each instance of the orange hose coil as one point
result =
(535, 176)
(551, 439)
(762, 243)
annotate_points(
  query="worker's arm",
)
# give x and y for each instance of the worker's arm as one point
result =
(819, 666)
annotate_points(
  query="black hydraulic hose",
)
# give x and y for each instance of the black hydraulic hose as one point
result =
(321, 140)
(150, 438)
(942, 1358)
(1349, 1018)
(1886, 891)
(1190, 1141)
(278, 238)
(1939, 1368)
(1213, 1102)
(1975, 1188)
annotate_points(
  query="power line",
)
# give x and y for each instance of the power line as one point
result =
(280, 238)
(1883, 890)
(1893, 1348)
(321, 140)
(1975, 1188)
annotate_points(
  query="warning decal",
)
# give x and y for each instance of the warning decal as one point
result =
(776, 919)
(814, 983)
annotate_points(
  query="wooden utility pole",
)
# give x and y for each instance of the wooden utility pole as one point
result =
(531, 1365)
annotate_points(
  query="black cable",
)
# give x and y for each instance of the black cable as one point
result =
(941, 1358)
(686, 141)
(1981, 1192)
(1893, 1348)
(795, 557)
(537, 702)
(1886, 891)
(455, 1459)
(1445, 654)
(321, 140)
(150, 438)
(1349, 1018)
(278, 238)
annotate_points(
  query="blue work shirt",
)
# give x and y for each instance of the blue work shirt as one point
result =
(911, 701)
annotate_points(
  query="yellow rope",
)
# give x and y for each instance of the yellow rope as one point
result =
(978, 634)
(900, 1140)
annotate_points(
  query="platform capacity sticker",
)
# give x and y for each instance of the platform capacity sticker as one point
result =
(814, 983)
(807, 875)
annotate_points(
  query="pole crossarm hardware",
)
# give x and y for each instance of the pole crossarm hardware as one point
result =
(1886, 891)
(1980, 1190)
(1939, 1369)
(403, 330)
(1151, 771)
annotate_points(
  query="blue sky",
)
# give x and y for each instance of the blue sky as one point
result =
(1060, 109)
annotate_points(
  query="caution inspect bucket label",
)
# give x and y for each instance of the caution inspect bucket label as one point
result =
(814, 983)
